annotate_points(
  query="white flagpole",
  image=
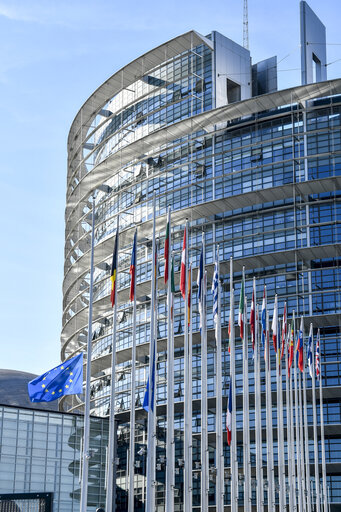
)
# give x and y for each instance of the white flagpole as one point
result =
(288, 414)
(324, 473)
(156, 378)
(187, 418)
(306, 437)
(204, 445)
(132, 402)
(316, 449)
(300, 405)
(280, 440)
(258, 412)
(278, 431)
(219, 404)
(111, 444)
(281, 444)
(170, 481)
(270, 457)
(150, 497)
(86, 454)
(234, 460)
(292, 426)
(298, 440)
(246, 419)
(190, 388)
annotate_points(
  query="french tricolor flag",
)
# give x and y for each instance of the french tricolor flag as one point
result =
(229, 416)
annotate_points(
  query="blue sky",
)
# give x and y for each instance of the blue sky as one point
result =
(53, 55)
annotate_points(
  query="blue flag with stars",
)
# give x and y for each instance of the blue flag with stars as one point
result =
(65, 379)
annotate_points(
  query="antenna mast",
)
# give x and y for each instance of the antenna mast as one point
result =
(246, 26)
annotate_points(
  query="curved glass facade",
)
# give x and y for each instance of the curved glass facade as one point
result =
(265, 186)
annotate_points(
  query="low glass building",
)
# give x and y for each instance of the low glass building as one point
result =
(195, 124)
(40, 453)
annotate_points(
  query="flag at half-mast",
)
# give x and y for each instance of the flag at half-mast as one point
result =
(253, 317)
(274, 325)
(317, 356)
(242, 308)
(132, 269)
(229, 416)
(310, 352)
(299, 347)
(167, 247)
(183, 268)
(113, 275)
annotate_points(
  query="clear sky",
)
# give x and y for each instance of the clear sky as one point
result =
(53, 54)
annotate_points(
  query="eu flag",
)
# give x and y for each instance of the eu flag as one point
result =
(65, 379)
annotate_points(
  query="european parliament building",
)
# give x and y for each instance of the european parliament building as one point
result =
(197, 125)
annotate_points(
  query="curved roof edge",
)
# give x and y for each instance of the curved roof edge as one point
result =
(200, 121)
(128, 74)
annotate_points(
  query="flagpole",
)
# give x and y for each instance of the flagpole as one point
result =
(306, 437)
(234, 460)
(111, 443)
(246, 423)
(298, 440)
(324, 474)
(187, 419)
(219, 404)
(133, 394)
(86, 454)
(316, 450)
(292, 427)
(290, 441)
(303, 489)
(170, 482)
(281, 445)
(151, 396)
(258, 413)
(270, 458)
(190, 386)
(204, 446)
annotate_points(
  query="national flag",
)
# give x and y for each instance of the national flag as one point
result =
(229, 416)
(167, 247)
(151, 387)
(113, 275)
(317, 356)
(215, 291)
(291, 345)
(64, 379)
(263, 318)
(132, 269)
(200, 283)
(299, 347)
(183, 268)
(252, 317)
(242, 307)
(284, 329)
(310, 352)
(274, 325)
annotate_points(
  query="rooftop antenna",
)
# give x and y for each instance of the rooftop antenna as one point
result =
(246, 26)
